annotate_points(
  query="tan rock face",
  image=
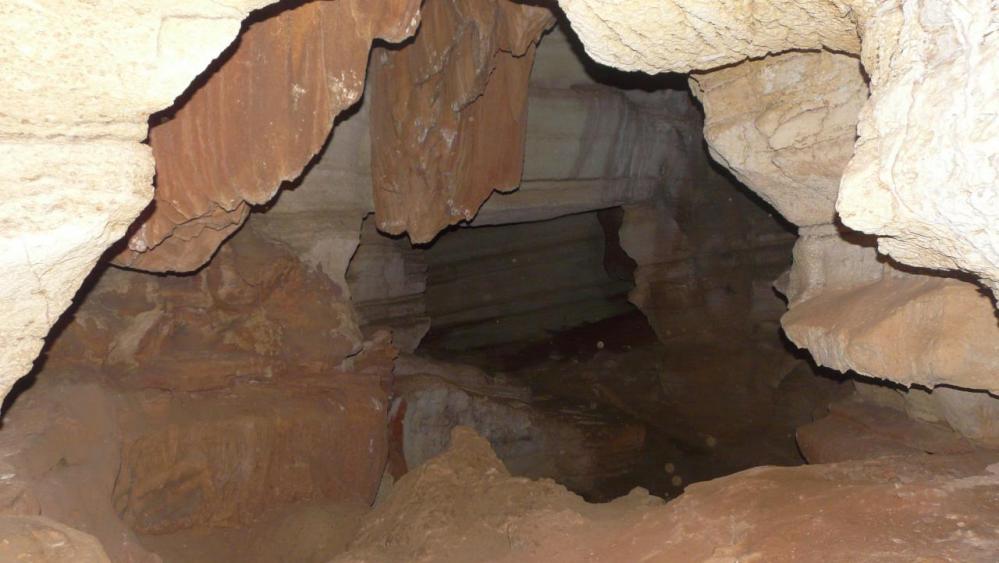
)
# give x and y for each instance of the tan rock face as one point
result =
(78, 84)
(685, 35)
(255, 123)
(449, 112)
(785, 126)
(36, 538)
(928, 63)
(925, 175)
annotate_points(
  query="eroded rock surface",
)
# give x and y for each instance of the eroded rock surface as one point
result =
(685, 35)
(922, 58)
(256, 122)
(79, 83)
(785, 126)
(464, 506)
(449, 112)
(925, 175)
(36, 539)
(255, 311)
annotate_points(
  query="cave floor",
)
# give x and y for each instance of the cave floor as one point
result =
(704, 418)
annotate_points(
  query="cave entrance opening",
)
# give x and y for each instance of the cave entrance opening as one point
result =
(612, 322)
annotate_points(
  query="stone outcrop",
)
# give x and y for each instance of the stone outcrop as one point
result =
(449, 112)
(255, 123)
(112, 462)
(590, 144)
(922, 58)
(78, 85)
(785, 126)
(973, 414)
(464, 506)
(687, 35)
(175, 403)
(256, 311)
(924, 175)
(911, 329)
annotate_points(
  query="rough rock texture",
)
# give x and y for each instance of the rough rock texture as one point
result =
(79, 83)
(785, 126)
(318, 217)
(109, 461)
(579, 448)
(309, 532)
(923, 58)
(255, 311)
(458, 507)
(173, 403)
(256, 122)
(35, 539)
(857, 430)
(911, 329)
(973, 414)
(685, 35)
(925, 173)
(464, 506)
(449, 113)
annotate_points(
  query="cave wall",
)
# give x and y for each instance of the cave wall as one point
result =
(845, 299)
(489, 286)
(79, 83)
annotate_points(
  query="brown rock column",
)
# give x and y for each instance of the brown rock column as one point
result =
(449, 113)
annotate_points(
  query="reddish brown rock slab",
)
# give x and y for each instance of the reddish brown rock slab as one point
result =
(223, 458)
(36, 539)
(463, 506)
(856, 430)
(256, 311)
(255, 122)
(449, 113)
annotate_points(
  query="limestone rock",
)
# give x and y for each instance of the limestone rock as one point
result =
(108, 460)
(925, 175)
(972, 414)
(685, 35)
(36, 539)
(922, 59)
(911, 329)
(387, 279)
(483, 283)
(449, 113)
(79, 83)
(861, 430)
(256, 311)
(256, 122)
(225, 458)
(785, 126)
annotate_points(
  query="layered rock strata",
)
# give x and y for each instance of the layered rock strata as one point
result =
(79, 83)
(255, 122)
